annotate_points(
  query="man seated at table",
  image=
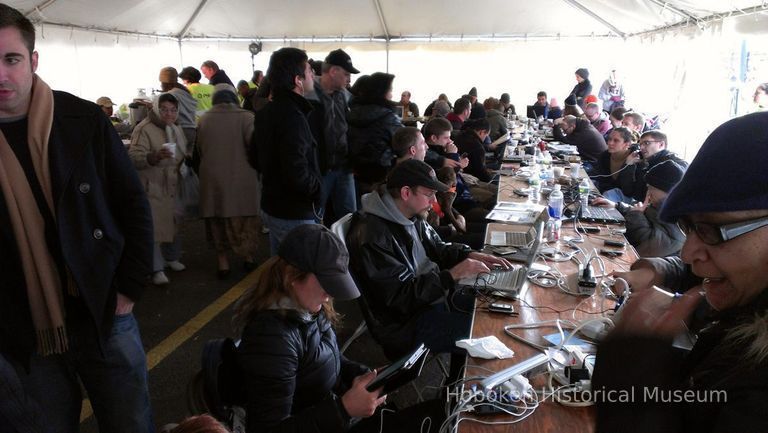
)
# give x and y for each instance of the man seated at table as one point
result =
(470, 141)
(580, 133)
(407, 275)
(541, 107)
(410, 109)
(474, 201)
(408, 143)
(597, 117)
(650, 236)
(461, 110)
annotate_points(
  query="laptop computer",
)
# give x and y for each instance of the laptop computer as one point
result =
(534, 111)
(522, 238)
(603, 215)
(510, 282)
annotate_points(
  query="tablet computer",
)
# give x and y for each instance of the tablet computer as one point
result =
(400, 372)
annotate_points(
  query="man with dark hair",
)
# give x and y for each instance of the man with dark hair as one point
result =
(203, 93)
(76, 249)
(408, 143)
(470, 141)
(328, 121)
(284, 149)
(406, 273)
(580, 133)
(214, 74)
(461, 109)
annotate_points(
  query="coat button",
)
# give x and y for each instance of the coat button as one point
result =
(84, 188)
(98, 234)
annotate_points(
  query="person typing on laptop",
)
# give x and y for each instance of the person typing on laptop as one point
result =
(407, 275)
(645, 231)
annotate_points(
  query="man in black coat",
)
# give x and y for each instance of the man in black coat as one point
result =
(405, 272)
(70, 196)
(580, 133)
(284, 148)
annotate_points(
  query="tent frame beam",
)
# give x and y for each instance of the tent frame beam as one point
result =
(706, 20)
(382, 21)
(683, 13)
(595, 16)
(39, 8)
(191, 20)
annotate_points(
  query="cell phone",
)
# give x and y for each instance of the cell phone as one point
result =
(463, 155)
(501, 308)
(588, 229)
(611, 253)
(615, 244)
(520, 192)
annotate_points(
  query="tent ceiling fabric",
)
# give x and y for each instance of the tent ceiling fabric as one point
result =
(295, 19)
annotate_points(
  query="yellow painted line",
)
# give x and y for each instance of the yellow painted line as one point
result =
(187, 330)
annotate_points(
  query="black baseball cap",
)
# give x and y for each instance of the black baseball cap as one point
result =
(341, 58)
(414, 173)
(313, 248)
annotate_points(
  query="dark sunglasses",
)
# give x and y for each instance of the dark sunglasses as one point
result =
(713, 234)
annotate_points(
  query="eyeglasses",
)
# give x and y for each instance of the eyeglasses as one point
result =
(713, 234)
(169, 111)
(431, 196)
(647, 142)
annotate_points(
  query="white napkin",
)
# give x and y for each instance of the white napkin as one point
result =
(487, 348)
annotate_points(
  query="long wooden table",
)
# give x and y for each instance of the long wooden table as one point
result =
(540, 304)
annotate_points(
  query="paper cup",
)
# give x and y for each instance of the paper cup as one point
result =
(171, 147)
(575, 169)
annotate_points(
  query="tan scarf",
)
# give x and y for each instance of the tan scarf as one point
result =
(40, 272)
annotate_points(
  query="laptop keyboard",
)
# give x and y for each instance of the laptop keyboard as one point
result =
(601, 214)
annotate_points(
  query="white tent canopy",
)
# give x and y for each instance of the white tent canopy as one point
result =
(381, 19)
(690, 60)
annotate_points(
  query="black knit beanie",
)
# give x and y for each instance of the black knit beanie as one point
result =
(664, 175)
(583, 73)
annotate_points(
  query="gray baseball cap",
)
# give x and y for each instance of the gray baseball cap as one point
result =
(313, 248)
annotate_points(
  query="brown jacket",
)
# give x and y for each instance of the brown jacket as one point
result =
(229, 186)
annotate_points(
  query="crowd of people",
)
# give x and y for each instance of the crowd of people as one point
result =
(86, 224)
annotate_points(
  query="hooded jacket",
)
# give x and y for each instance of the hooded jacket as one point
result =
(371, 127)
(581, 91)
(400, 266)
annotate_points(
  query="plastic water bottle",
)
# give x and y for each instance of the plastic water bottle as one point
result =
(555, 212)
(535, 183)
(584, 193)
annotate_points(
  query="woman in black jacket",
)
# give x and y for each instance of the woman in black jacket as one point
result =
(294, 376)
(583, 87)
(616, 174)
(372, 123)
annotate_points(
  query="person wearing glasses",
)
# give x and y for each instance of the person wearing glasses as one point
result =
(158, 148)
(407, 275)
(719, 385)
(650, 236)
